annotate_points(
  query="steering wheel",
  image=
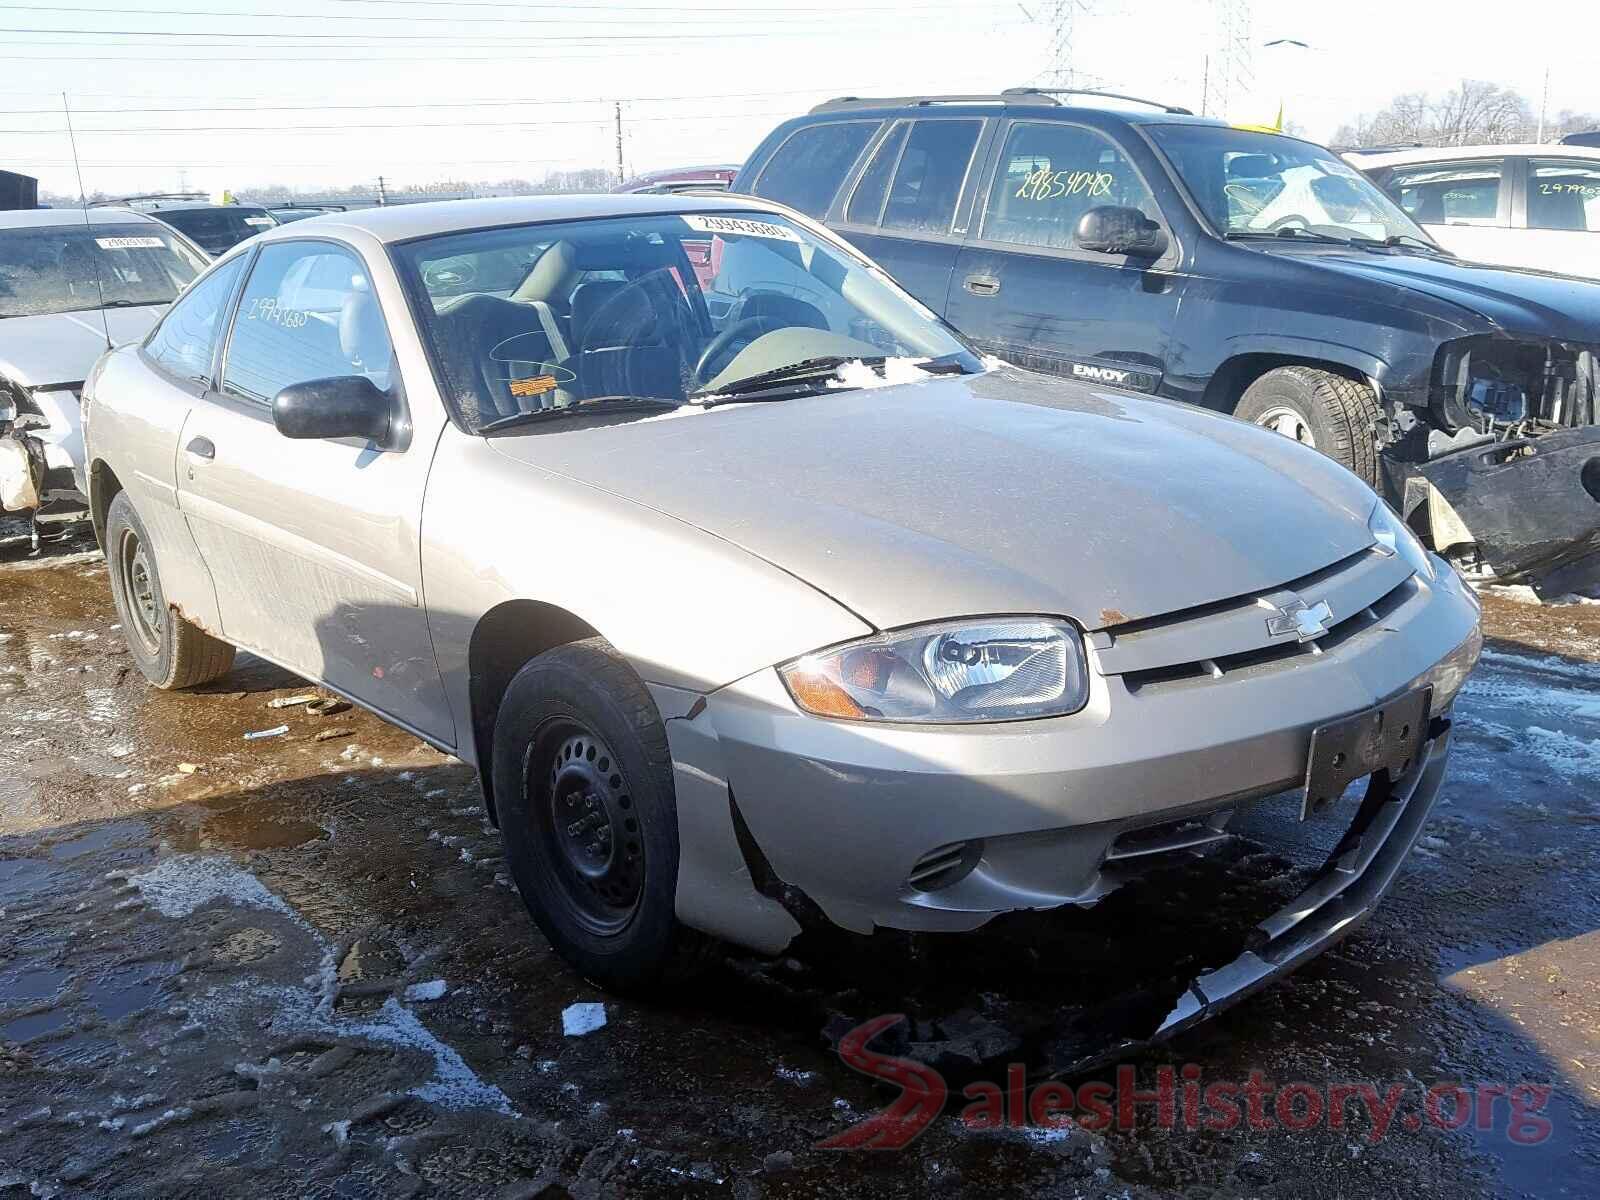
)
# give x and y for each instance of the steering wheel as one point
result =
(748, 329)
(1286, 221)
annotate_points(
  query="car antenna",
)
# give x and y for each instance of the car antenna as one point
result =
(83, 199)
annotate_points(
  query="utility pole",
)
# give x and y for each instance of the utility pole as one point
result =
(1205, 85)
(1544, 104)
(621, 177)
(383, 196)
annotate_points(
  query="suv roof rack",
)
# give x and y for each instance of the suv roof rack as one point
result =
(152, 197)
(1008, 96)
(1386, 149)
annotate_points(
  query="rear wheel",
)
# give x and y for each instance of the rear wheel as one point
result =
(1317, 408)
(170, 651)
(583, 787)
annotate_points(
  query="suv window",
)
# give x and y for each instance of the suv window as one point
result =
(1564, 194)
(928, 180)
(216, 229)
(866, 202)
(807, 169)
(1050, 174)
(1437, 195)
(184, 341)
(307, 312)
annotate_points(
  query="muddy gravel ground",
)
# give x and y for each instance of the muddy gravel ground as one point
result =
(294, 967)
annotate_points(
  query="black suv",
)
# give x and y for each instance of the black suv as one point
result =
(1249, 272)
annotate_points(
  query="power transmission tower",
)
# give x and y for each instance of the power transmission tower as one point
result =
(1233, 73)
(1059, 19)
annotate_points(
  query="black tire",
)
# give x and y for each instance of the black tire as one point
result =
(583, 789)
(1340, 415)
(170, 651)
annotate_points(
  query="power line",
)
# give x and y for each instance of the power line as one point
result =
(432, 39)
(532, 124)
(633, 17)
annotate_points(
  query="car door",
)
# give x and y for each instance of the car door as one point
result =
(902, 211)
(1464, 206)
(1024, 290)
(313, 545)
(1563, 216)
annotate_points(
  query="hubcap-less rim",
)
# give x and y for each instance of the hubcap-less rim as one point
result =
(1288, 422)
(138, 582)
(583, 811)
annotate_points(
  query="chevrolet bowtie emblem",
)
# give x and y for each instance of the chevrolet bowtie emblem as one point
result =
(1305, 621)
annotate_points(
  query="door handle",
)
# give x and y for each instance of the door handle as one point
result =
(201, 447)
(982, 285)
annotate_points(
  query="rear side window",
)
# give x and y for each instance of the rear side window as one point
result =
(1049, 176)
(807, 169)
(184, 341)
(307, 312)
(1564, 195)
(1437, 195)
(927, 183)
(866, 202)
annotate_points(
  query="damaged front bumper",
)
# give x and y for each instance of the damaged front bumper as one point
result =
(1520, 510)
(41, 448)
(942, 829)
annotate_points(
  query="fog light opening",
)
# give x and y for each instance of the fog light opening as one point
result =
(1590, 478)
(945, 866)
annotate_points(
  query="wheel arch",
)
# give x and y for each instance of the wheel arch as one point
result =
(1230, 380)
(103, 488)
(505, 639)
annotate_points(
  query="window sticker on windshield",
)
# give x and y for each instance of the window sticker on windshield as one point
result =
(259, 221)
(537, 386)
(130, 243)
(740, 225)
(1045, 184)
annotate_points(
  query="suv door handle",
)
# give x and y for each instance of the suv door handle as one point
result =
(201, 448)
(982, 285)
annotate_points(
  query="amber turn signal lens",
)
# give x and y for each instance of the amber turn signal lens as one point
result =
(820, 695)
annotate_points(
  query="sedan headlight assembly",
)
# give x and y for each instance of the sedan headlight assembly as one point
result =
(1394, 538)
(994, 669)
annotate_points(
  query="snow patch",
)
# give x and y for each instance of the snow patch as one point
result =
(434, 989)
(579, 1020)
(896, 371)
(179, 885)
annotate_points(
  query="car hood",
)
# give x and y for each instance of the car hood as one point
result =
(1006, 492)
(61, 347)
(1518, 301)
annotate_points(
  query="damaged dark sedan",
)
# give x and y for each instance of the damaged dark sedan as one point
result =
(766, 598)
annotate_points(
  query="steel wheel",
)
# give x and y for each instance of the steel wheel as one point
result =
(581, 808)
(133, 560)
(1289, 422)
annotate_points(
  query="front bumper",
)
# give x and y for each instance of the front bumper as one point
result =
(925, 828)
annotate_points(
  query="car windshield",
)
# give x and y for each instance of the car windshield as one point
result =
(1252, 183)
(72, 268)
(217, 229)
(662, 308)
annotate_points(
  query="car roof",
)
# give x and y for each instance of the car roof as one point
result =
(1427, 154)
(1038, 102)
(161, 206)
(402, 222)
(41, 218)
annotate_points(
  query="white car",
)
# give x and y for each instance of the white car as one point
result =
(1534, 206)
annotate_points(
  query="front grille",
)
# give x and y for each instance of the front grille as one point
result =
(1186, 834)
(944, 866)
(1232, 638)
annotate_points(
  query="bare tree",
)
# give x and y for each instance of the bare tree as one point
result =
(1474, 113)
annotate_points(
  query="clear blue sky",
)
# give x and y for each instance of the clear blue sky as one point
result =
(230, 93)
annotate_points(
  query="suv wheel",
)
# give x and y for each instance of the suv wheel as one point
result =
(1335, 415)
(171, 652)
(583, 786)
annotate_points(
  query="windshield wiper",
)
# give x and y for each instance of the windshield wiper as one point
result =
(1411, 239)
(584, 408)
(1289, 232)
(782, 382)
(132, 303)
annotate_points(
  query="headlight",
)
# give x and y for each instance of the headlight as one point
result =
(1003, 669)
(1394, 538)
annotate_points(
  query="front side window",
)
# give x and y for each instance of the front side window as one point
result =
(1050, 174)
(1451, 194)
(661, 309)
(307, 312)
(808, 168)
(1564, 194)
(76, 267)
(927, 183)
(186, 339)
(1251, 184)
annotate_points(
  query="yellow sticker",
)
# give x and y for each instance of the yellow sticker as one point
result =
(537, 386)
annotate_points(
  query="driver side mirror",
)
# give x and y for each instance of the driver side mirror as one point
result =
(346, 406)
(1112, 229)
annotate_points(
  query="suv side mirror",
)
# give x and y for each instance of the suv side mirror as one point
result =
(1112, 229)
(346, 406)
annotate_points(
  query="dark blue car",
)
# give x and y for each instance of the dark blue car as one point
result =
(1248, 272)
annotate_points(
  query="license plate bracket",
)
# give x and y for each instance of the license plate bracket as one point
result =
(1388, 736)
